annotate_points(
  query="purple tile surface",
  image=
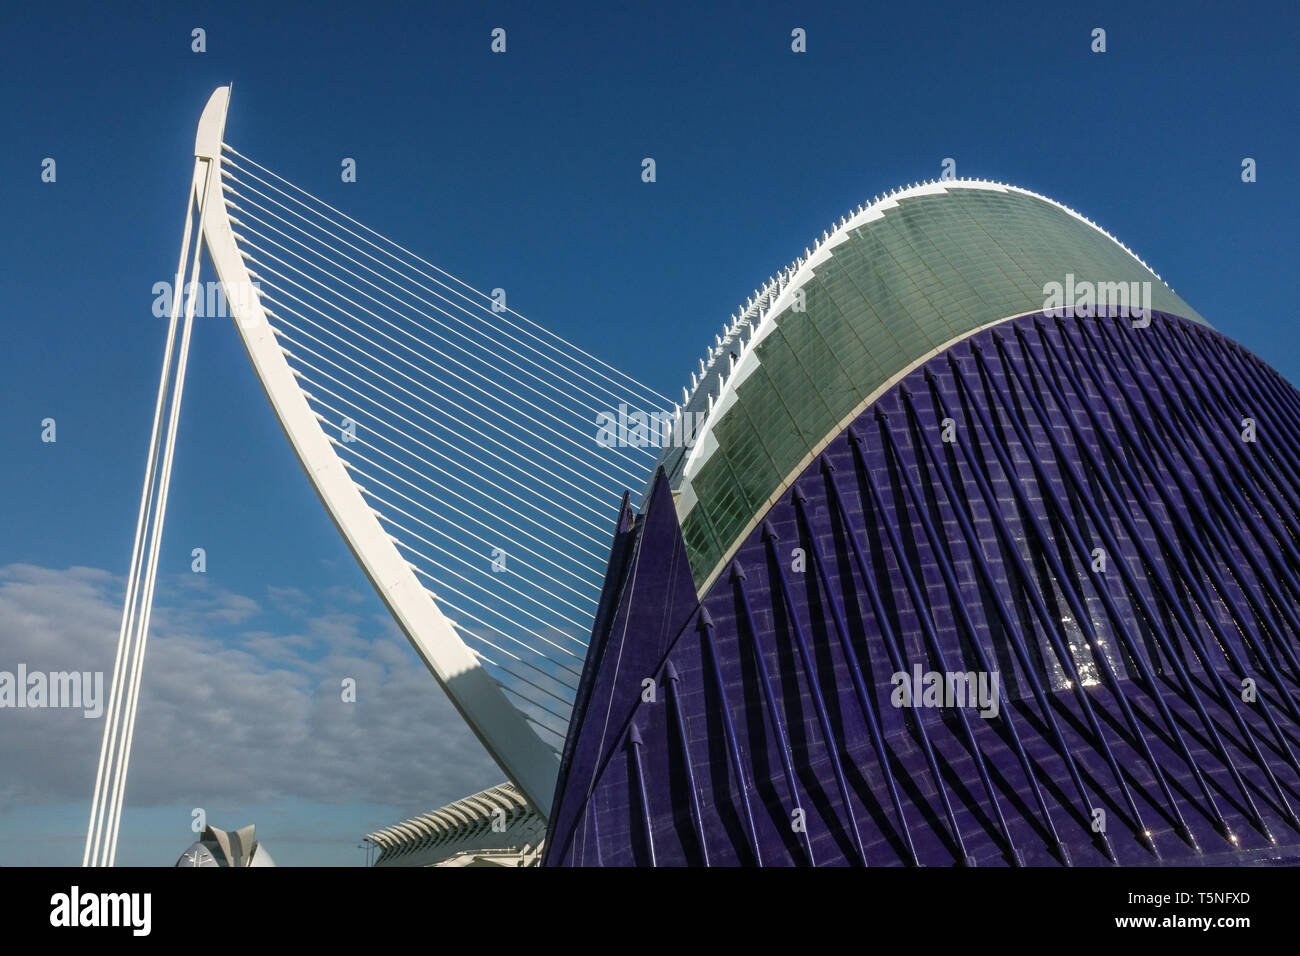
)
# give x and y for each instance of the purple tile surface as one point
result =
(1155, 699)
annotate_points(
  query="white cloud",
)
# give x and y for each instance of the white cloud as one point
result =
(231, 709)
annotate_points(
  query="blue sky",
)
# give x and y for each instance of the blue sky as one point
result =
(519, 170)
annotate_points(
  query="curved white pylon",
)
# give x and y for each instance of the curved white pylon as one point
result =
(501, 727)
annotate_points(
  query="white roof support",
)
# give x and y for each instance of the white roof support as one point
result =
(499, 725)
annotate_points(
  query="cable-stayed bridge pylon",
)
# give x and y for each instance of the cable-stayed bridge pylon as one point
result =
(454, 444)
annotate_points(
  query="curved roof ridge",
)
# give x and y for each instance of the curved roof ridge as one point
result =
(751, 314)
(1007, 249)
(458, 815)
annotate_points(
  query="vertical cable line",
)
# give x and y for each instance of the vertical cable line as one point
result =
(164, 486)
(436, 578)
(119, 731)
(281, 333)
(406, 546)
(475, 332)
(549, 339)
(587, 596)
(468, 423)
(592, 586)
(298, 374)
(472, 326)
(557, 389)
(93, 832)
(581, 499)
(490, 392)
(477, 444)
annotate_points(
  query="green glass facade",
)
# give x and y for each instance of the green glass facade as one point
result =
(934, 267)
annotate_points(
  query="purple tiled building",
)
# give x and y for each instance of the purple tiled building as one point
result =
(976, 546)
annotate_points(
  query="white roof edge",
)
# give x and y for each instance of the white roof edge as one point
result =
(459, 814)
(775, 294)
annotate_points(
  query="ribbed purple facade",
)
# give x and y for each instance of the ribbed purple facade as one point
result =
(1106, 518)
